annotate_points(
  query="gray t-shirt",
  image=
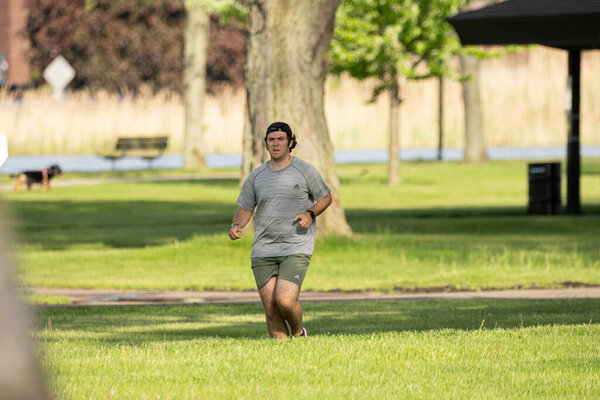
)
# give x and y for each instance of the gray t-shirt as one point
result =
(278, 197)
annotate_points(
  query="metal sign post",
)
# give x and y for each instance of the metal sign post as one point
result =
(573, 152)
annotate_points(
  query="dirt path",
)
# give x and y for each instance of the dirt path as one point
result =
(81, 297)
(97, 181)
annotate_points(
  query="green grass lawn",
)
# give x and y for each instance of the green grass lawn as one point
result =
(369, 350)
(448, 225)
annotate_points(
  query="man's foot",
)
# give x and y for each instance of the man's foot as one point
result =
(303, 334)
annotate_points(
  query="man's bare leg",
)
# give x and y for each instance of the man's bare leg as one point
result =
(286, 297)
(275, 321)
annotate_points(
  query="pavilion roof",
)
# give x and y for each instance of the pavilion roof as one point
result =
(565, 24)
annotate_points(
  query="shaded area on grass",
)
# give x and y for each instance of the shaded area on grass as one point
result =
(219, 183)
(56, 225)
(489, 221)
(141, 324)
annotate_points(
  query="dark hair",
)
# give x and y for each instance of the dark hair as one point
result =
(282, 127)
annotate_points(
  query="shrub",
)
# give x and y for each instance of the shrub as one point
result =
(120, 45)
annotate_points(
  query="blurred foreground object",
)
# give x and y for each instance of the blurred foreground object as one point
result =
(20, 373)
(3, 149)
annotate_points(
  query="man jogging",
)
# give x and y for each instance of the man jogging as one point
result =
(288, 195)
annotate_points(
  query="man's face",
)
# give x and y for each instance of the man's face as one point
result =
(278, 145)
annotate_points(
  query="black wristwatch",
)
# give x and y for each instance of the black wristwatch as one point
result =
(312, 215)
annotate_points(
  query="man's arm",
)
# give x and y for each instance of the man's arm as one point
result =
(240, 219)
(305, 219)
(321, 204)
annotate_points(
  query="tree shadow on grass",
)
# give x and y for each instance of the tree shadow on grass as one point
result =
(218, 182)
(143, 324)
(55, 225)
(390, 316)
(461, 220)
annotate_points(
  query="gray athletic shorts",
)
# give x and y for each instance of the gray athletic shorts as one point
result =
(291, 268)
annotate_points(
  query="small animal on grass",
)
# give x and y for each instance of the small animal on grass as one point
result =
(40, 176)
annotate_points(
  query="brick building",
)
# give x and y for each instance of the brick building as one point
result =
(13, 44)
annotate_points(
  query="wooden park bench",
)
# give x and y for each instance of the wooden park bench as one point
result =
(147, 147)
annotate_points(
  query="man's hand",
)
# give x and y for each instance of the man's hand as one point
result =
(240, 219)
(235, 232)
(304, 219)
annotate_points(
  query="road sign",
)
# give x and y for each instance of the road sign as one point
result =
(58, 74)
(3, 149)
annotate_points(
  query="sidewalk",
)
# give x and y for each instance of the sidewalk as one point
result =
(90, 297)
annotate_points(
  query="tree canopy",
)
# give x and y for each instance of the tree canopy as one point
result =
(384, 39)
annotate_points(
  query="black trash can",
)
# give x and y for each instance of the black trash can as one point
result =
(544, 188)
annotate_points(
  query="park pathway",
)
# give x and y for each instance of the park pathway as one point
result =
(159, 178)
(88, 297)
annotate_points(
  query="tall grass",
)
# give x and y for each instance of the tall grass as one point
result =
(523, 101)
(80, 124)
(523, 98)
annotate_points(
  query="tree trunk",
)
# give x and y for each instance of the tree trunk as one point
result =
(440, 117)
(20, 373)
(196, 40)
(285, 76)
(475, 150)
(395, 93)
